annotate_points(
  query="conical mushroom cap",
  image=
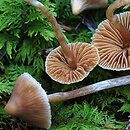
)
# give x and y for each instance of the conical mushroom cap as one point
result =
(29, 102)
(86, 58)
(80, 5)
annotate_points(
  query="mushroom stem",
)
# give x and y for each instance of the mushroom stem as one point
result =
(65, 48)
(106, 84)
(124, 32)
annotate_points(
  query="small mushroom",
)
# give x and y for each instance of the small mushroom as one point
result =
(112, 38)
(31, 103)
(80, 5)
(68, 63)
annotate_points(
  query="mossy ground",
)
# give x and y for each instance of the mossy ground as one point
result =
(25, 34)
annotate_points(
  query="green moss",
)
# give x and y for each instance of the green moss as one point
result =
(24, 36)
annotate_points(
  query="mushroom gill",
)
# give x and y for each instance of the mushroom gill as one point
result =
(112, 38)
(86, 57)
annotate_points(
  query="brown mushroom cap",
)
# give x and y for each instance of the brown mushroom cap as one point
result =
(86, 58)
(80, 5)
(29, 102)
(109, 42)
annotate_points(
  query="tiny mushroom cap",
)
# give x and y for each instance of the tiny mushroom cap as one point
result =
(80, 5)
(29, 102)
(68, 63)
(112, 38)
(86, 58)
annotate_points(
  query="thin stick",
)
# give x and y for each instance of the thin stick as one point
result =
(106, 84)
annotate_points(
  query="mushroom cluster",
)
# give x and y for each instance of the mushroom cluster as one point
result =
(30, 102)
(68, 63)
(112, 38)
(71, 63)
(80, 5)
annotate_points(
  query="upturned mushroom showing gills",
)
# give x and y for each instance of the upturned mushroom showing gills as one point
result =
(80, 5)
(112, 38)
(68, 63)
(30, 102)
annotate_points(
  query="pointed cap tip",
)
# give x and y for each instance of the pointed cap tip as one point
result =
(10, 108)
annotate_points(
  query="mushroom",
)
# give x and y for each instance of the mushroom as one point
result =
(80, 5)
(68, 63)
(112, 38)
(30, 102)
